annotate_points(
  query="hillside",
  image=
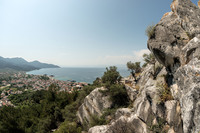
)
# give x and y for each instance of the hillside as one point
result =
(20, 64)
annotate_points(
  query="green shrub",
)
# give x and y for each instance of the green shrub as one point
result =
(95, 120)
(68, 127)
(134, 68)
(149, 59)
(97, 82)
(150, 31)
(158, 128)
(118, 95)
(116, 91)
(111, 76)
(156, 71)
(109, 113)
(103, 120)
(69, 112)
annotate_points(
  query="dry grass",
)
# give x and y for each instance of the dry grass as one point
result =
(150, 31)
(129, 84)
(137, 87)
(137, 74)
(197, 74)
(165, 93)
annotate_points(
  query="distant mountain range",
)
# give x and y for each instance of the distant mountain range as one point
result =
(21, 64)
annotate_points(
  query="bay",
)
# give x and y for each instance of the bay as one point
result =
(87, 75)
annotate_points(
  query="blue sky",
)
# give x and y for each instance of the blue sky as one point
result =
(78, 32)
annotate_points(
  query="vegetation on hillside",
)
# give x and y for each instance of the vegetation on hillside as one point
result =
(111, 80)
(164, 93)
(42, 111)
(45, 110)
(134, 68)
(111, 76)
(117, 92)
(150, 31)
(149, 59)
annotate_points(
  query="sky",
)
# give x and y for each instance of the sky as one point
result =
(78, 33)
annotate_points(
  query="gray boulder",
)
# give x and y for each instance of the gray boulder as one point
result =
(188, 84)
(173, 116)
(132, 92)
(94, 104)
(123, 112)
(98, 129)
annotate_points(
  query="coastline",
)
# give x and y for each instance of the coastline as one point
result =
(79, 74)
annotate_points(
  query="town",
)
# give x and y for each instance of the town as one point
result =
(19, 82)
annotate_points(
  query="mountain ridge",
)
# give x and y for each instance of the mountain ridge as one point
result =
(21, 64)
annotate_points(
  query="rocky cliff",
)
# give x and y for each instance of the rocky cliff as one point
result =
(94, 104)
(149, 113)
(176, 44)
(171, 101)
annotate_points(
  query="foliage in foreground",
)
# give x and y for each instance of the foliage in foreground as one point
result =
(106, 117)
(42, 111)
(39, 111)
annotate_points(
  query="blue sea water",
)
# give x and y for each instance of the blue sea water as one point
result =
(87, 75)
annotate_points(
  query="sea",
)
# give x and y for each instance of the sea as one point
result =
(87, 75)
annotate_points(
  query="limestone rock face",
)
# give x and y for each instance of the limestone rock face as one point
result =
(123, 112)
(176, 44)
(94, 104)
(132, 93)
(187, 80)
(173, 113)
(124, 124)
(174, 32)
(146, 110)
(98, 129)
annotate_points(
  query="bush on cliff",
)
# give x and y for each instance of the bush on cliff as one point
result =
(111, 76)
(111, 80)
(134, 68)
(150, 31)
(149, 59)
(165, 93)
(118, 95)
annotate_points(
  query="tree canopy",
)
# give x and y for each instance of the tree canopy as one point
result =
(149, 59)
(133, 67)
(111, 76)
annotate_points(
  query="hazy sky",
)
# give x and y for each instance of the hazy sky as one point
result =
(78, 32)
